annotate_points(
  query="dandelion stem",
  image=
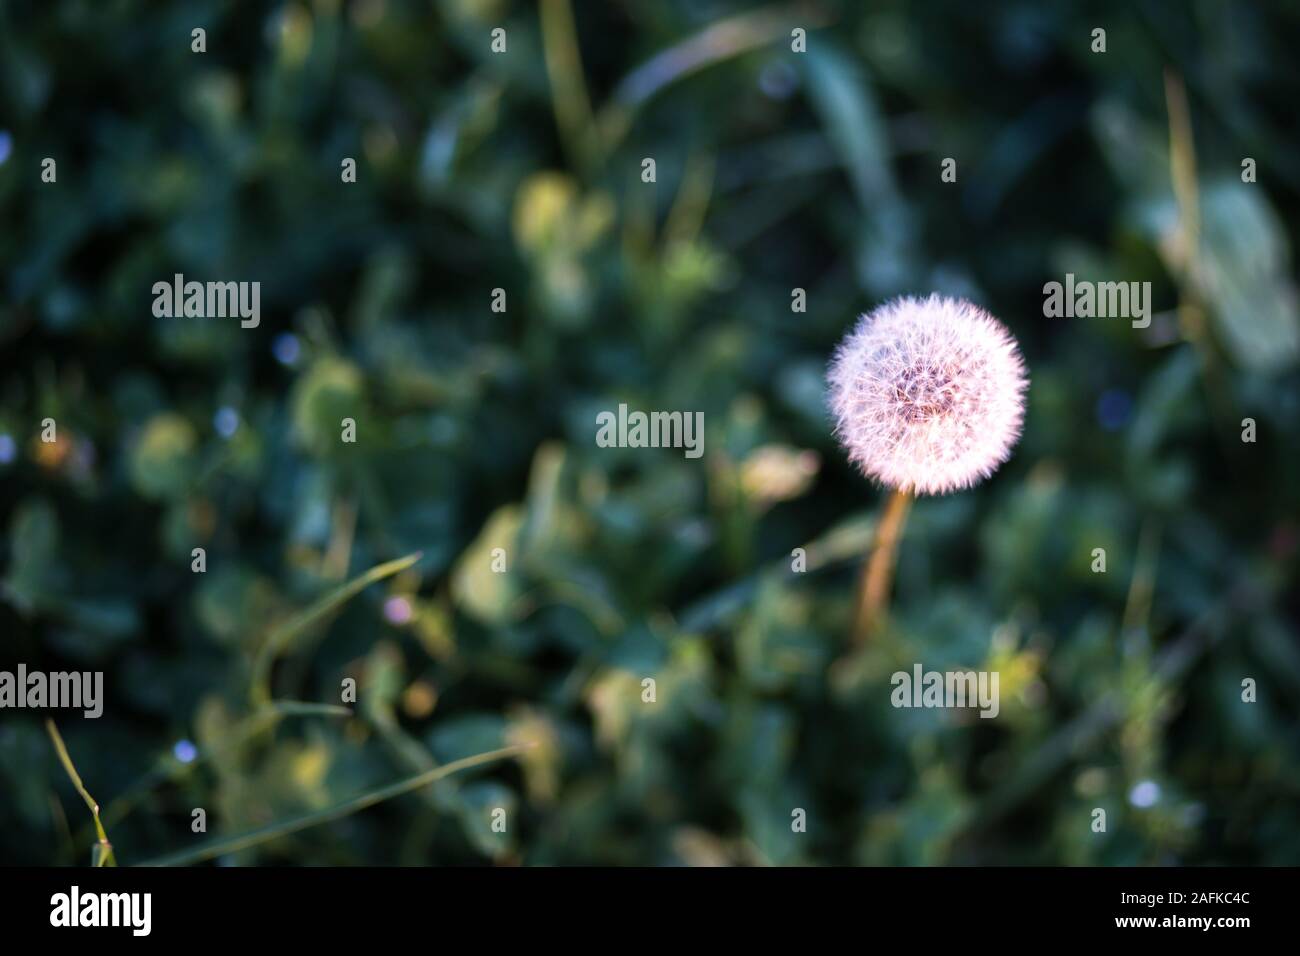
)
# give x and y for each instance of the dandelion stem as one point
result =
(878, 571)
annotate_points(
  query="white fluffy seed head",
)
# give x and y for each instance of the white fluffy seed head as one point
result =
(928, 394)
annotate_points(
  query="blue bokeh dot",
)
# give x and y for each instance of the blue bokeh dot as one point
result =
(185, 751)
(286, 349)
(1144, 794)
(1114, 409)
(226, 421)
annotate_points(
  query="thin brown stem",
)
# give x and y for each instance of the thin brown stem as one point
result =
(878, 571)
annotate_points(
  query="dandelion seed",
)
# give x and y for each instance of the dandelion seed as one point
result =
(928, 394)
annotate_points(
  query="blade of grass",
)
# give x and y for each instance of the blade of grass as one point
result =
(1192, 310)
(379, 712)
(102, 855)
(279, 639)
(717, 42)
(171, 770)
(568, 88)
(842, 93)
(224, 845)
(299, 708)
(844, 542)
(1137, 609)
(686, 217)
(334, 564)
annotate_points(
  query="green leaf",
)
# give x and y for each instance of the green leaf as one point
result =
(483, 593)
(33, 544)
(1244, 267)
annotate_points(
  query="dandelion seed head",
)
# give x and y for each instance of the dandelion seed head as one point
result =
(928, 394)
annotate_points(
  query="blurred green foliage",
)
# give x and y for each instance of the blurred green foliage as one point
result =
(521, 171)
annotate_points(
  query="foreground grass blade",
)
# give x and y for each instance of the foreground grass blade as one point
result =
(568, 86)
(279, 709)
(172, 771)
(279, 639)
(717, 42)
(225, 845)
(102, 855)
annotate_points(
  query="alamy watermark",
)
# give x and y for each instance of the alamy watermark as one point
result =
(651, 430)
(1104, 300)
(56, 690)
(75, 908)
(923, 688)
(210, 300)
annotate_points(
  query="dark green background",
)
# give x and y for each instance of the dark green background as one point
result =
(520, 171)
